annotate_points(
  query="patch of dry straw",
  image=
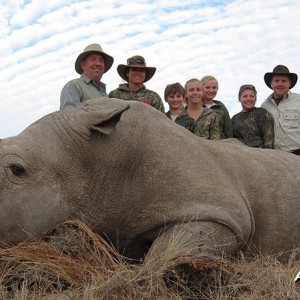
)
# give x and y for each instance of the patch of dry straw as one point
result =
(73, 262)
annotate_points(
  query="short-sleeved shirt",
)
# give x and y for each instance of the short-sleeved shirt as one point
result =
(79, 90)
(142, 95)
(207, 125)
(254, 128)
(286, 121)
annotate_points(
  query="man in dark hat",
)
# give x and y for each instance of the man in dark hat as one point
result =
(285, 108)
(136, 73)
(91, 64)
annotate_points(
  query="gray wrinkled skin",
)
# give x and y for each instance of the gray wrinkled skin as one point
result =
(136, 177)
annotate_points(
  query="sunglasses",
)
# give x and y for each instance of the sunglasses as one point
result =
(247, 86)
(136, 61)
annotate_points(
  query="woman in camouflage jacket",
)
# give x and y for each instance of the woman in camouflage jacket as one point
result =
(253, 126)
(210, 88)
(197, 118)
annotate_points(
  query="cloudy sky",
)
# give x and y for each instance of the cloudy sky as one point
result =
(236, 41)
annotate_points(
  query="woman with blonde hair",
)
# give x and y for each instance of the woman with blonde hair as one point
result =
(197, 118)
(210, 88)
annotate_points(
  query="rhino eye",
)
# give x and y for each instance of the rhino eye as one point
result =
(17, 170)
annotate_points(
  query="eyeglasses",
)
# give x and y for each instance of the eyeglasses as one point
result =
(136, 61)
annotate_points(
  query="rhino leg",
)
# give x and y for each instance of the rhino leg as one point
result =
(203, 238)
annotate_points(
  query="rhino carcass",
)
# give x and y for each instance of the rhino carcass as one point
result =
(135, 177)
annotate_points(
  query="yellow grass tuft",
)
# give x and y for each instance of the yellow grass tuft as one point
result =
(73, 262)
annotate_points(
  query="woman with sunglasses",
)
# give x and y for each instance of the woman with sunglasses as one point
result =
(253, 126)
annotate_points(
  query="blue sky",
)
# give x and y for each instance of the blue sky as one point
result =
(235, 41)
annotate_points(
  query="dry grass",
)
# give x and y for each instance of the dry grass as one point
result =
(75, 263)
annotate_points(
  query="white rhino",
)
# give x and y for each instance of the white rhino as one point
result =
(135, 177)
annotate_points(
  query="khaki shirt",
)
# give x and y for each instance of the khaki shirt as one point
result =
(79, 90)
(286, 121)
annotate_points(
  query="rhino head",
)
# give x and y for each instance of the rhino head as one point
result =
(40, 167)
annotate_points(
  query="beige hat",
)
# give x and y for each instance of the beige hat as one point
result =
(93, 48)
(136, 61)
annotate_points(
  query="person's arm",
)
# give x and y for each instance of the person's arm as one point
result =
(227, 128)
(157, 102)
(214, 133)
(267, 130)
(70, 96)
(112, 94)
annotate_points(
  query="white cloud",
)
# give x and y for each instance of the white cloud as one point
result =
(236, 41)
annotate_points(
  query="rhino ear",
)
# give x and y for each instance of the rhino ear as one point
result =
(107, 119)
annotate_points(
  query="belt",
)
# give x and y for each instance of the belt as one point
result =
(297, 152)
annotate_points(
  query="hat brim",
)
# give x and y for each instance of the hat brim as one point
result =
(108, 60)
(292, 76)
(122, 70)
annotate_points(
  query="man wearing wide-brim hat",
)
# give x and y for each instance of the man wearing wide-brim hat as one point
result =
(285, 108)
(135, 73)
(91, 64)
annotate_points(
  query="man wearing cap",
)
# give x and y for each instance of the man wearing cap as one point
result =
(91, 64)
(136, 73)
(284, 106)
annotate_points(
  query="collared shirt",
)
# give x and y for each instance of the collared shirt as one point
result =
(286, 121)
(142, 95)
(80, 89)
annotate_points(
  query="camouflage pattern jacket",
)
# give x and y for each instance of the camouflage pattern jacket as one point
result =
(254, 128)
(206, 126)
(224, 119)
(142, 95)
